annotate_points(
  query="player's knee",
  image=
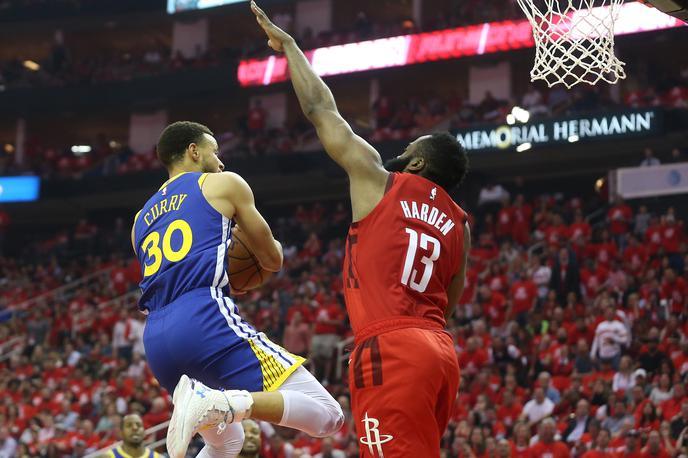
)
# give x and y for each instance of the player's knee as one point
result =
(225, 445)
(334, 420)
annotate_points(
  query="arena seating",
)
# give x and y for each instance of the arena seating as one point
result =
(541, 280)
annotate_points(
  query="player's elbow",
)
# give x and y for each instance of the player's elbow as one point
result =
(333, 420)
(271, 258)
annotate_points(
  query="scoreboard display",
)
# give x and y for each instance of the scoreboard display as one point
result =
(179, 6)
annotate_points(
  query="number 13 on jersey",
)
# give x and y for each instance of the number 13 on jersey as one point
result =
(410, 274)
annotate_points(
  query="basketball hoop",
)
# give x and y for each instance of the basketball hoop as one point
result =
(574, 41)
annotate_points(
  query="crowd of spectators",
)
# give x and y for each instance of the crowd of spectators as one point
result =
(390, 118)
(572, 338)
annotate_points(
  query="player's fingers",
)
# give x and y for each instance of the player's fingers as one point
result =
(259, 12)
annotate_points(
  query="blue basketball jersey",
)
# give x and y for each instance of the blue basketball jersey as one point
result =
(181, 242)
(194, 328)
(118, 452)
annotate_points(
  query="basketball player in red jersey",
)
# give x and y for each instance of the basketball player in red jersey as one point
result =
(404, 271)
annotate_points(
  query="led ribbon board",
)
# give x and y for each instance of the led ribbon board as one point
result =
(487, 38)
(178, 6)
(19, 189)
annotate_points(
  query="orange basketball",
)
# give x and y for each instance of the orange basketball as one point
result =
(243, 268)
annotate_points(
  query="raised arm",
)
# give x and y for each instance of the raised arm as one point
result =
(356, 156)
(230, 195)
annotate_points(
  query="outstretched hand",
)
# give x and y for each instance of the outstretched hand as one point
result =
(277, 37)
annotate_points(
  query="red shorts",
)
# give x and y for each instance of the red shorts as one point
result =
(403, 386)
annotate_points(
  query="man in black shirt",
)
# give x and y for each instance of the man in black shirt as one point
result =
(680, 421)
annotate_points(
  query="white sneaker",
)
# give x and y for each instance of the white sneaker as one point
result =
(197, 408)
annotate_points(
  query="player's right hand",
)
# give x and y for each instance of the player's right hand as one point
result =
(277, 37)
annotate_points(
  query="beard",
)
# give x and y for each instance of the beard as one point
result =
(397, 164)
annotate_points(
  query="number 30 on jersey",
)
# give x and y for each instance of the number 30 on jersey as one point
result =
(151, 246)
(409, 274)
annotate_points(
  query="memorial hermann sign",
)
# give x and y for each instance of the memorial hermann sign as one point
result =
(564, 130)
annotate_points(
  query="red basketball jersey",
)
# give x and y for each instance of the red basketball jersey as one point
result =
(400, 259)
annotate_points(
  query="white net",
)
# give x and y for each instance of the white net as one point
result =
(574, 41)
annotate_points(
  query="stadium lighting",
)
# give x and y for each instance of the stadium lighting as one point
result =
(573, 138)
(520, 114)
(31, 65)
(599, 184)
(510, 119)
(523, 147)
(81, 149)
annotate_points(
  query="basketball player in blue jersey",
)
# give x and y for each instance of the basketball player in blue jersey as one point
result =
(219, 367)
(132, 440)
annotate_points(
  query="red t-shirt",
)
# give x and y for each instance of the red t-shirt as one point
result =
(505, 220)
(578, 230)
(328, 312)
(556, 235)
(671, 238)
(495, 308)
(523, 293)
(661, 454)
(653, 237)
(521, 452)
(473, 362)
(636, 257)
(619, 216)
(553, 450)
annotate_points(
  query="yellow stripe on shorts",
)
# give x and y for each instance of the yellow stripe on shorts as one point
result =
(274, 374)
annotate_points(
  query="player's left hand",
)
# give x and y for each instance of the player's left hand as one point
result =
(277, 37)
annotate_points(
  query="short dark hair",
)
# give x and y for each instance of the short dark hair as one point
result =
(447, 161)
(176, 138)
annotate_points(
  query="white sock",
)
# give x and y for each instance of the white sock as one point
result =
(240, 402)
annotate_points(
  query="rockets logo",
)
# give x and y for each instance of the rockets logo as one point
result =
(373, 437)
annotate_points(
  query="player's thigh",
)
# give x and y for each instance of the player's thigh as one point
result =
(395, 381)
(449, 389)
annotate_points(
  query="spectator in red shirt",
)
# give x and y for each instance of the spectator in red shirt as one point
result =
(579, 229)
(508, 412)
(620, 216)
(257, 117)
(522, 214)
(523, 295)
(674, 290)
(505, 221)
(473, 358)
(547, 446)
(601, 449)
(520, 447)
(556, 234)
(635, 255)
(672, 234)
(493, 304)
(159, 413)
(297, 335)
(328, 320)
(631, 448)
(680, 360)
(654, 448)
(653, 235)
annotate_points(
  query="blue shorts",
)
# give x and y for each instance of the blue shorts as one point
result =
(202, 335)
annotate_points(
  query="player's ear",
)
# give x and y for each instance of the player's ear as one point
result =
(416, 165)
(193, 151)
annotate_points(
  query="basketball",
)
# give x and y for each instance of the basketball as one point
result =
(244, 270)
